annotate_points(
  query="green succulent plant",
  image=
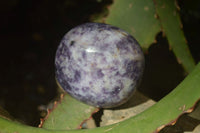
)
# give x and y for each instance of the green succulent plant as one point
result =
(144, 19)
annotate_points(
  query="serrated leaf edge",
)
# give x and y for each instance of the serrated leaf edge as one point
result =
(173, 122)
(42, 120)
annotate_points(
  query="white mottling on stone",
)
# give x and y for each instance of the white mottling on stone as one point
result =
(101, 54)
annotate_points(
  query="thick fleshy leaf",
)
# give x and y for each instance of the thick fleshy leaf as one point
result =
(137, 104)
(138, 17)
(181, 100)
(145, 18)
(67, 114)
(171, 25)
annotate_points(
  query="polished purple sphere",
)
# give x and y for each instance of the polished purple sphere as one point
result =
(99, 64)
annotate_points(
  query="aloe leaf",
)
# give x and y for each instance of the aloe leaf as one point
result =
(67, 114)
(135, 105)
(136, 17)
(145, 18)
(171, 25)
(181, 100)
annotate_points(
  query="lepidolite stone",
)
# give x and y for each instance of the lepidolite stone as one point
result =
(99, 64)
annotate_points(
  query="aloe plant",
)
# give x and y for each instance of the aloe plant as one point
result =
(144, 19)
(163, 113)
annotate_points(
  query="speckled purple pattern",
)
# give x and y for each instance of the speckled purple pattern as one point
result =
(99, 64)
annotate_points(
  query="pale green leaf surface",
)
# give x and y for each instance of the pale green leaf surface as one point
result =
(136, 17)
(182, 99)
(171, 24)
(68, 114)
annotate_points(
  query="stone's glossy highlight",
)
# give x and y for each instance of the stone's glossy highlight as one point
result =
(99, 64)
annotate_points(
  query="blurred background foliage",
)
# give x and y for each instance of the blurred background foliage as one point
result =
(30, 31)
